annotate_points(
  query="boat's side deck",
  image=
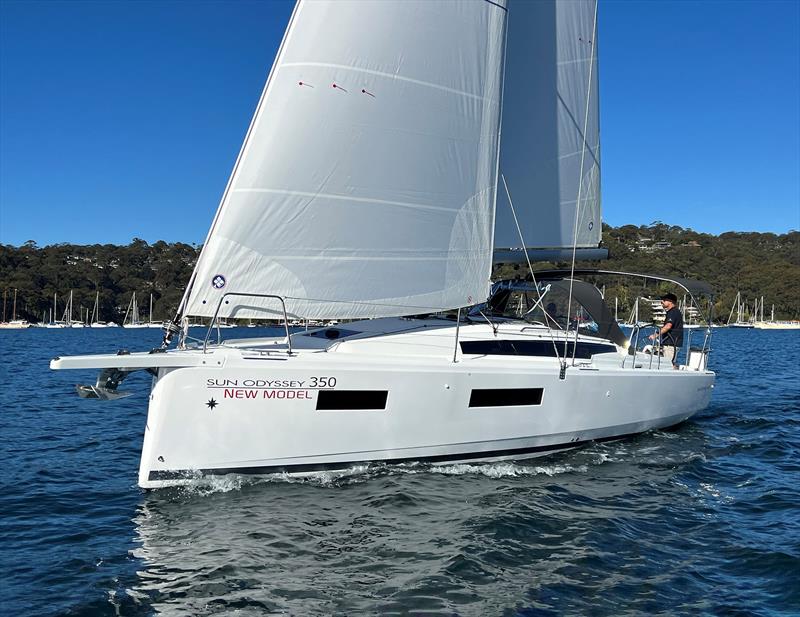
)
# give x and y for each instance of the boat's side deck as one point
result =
(388, 340)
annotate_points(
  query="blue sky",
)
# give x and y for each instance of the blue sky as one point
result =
(122, 119)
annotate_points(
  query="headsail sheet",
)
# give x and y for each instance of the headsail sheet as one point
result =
(366, 183)
(551, 65)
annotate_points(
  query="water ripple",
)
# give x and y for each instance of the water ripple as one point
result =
(701, 519)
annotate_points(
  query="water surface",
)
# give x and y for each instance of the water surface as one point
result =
(701, 519)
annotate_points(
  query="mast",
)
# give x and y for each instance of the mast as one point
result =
(127, 312)
(14, 309)
(730, 315)
(5, 293)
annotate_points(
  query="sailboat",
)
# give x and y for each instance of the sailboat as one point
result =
(14, 324)
(741, 310)
(150, 322)
(690, 316)
(772, 324)
(367, 191)
(131, 319)
(54, 323)
(67, 319)
(633, 320)
(94, 320)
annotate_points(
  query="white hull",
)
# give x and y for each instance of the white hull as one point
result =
(265, 416)
(15, 325)
(777, 325)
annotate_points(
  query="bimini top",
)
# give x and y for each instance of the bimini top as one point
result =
(693, 287)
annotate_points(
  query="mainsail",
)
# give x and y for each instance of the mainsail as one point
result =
(366, 184)
(551, 67)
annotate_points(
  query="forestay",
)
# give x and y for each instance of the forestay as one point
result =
(551, 65)
(366, 184)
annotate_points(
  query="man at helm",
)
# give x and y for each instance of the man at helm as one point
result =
(671, 332)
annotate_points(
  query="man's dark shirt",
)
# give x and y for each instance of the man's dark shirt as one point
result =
(674, 336)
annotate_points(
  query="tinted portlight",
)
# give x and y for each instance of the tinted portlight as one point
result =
(507, 397)
(328, 400)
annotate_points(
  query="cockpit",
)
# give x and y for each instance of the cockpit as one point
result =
(561, 304)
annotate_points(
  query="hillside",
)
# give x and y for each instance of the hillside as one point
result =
(757, 264)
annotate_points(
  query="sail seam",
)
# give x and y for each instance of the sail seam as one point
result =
(371, 200)
(576, 153)
(357, 258)
(394, 76)
(575, 61)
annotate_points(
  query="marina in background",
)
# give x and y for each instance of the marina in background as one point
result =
(103, 278)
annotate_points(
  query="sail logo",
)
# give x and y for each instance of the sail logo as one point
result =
(218, 282)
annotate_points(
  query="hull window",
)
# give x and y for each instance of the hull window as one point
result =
(506, 398)
(533, 348)
(329, 400)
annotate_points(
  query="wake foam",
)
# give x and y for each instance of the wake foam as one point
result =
(209, 485)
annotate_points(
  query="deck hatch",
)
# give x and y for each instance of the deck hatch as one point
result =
(329, 400)
(331, 333)
(506, 397)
